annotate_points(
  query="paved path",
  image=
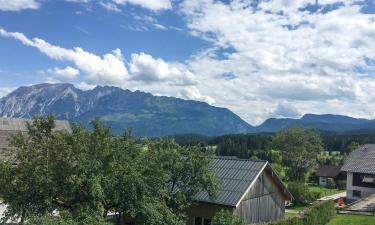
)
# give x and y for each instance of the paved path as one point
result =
(333, 197)
(364, 205)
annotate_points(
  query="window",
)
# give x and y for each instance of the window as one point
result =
(363, 180)
(198, 221)
(201, 221)
(357, 193)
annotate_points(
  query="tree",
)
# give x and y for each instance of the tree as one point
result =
(226, 218)
(26, 184)
(300, 148)
(91, 172)
(302, 194)
(351, 147)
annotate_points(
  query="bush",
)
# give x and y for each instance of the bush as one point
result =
(320, 214)
(226, 218)
(302, 194)
(66, 220)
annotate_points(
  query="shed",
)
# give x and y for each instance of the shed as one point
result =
(249, 188)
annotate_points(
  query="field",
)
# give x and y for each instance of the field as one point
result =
(352, 220)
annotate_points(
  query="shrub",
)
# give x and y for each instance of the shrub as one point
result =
(302, 194)
(226, 218)
(320, 214)
(66, 220)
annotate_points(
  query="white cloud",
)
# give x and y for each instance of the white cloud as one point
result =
(148, 4)
(192, 93)
(18, 5)
(145, 68)
(67, 74)
(110, 6)
(6, 90)
(109, 69)
(285, 110)
(277, 51)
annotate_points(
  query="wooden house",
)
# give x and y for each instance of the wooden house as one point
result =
(250, 189)
(328, 175)
(360, 170)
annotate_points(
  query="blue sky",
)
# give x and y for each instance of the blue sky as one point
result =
(260, 59)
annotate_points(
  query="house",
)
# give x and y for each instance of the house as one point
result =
(10, 126)
(250, 189)
(360, 169)
(328, 175)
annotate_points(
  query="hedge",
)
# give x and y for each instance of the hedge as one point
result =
(319, 214)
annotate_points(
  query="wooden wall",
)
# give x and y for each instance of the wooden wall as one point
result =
(204, 210)
(264, 202)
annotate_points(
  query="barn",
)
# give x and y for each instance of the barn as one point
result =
(248, 188)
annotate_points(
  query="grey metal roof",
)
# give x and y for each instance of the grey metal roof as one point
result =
(328, 171)
(362, 160)
(235, 177)
(9, 126)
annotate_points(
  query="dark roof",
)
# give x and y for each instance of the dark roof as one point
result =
(328, 171)
(9, 126)
(235, 178)
(362, 160)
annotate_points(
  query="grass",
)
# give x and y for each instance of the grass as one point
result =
(352, 220)
(293, 211)
(325, 191)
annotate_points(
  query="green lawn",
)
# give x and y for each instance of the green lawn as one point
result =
(324, 191)
(352, 220)
(293, 211)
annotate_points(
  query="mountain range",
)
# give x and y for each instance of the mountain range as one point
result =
(145, 114)
(149, 115)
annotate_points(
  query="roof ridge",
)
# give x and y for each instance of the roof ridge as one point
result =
(239, 159)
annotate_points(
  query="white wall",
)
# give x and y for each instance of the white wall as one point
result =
(323, 181)
(365, 192)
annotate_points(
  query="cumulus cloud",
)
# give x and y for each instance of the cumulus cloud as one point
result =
(18, 5)
(108, 69)
(67, 74)
(147, 73)
(192, 93)
(286, 110)
(148, 69)
(304, 52)
(147, 4)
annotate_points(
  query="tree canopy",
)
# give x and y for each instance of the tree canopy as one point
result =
(299, 148)
(92, 172)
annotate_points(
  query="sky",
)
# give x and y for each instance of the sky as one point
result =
(259, 58)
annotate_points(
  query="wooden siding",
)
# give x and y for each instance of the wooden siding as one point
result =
(204, 210)
(264, 201)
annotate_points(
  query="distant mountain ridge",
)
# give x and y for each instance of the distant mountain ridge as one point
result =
(150, 115)
(146, 114)
(325, 122)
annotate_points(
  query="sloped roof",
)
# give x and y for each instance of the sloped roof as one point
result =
(235, 178)
(328, 171)
(362, 160)
(9, 126)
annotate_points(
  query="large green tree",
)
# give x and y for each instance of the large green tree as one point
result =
(299, 148)
(92, 172)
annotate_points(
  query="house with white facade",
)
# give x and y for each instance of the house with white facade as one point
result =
(360, 169)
